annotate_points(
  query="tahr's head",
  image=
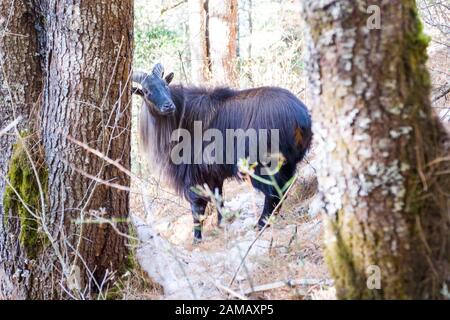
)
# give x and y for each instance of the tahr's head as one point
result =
(155, 90)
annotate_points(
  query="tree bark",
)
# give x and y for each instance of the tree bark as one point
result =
(86, 97)
(222, 44)
(198, 42)
(384, 172)
(20, 90)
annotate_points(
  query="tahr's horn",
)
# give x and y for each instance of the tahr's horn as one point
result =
(139, 76)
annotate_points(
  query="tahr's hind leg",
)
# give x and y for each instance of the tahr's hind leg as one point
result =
(272, 197)
(270, 203)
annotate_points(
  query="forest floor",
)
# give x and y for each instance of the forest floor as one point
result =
(284, 263)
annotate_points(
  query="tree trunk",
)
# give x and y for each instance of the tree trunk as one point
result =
(198, 43)
(384, 172)
(20, 89)
(222, 44)
(250, 28)
(86, 98)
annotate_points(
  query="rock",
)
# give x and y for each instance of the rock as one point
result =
(181, 230)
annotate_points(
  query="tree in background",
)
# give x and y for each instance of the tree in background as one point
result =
(384, 173)
(51, 242)
(222, 40)
(198, 43)
(212, 41)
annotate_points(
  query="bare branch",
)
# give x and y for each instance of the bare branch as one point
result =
(10, 126)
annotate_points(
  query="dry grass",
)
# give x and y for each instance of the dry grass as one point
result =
(135, 285)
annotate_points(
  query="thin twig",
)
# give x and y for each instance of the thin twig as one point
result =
(229, 291)
(288, 283)
(10, 126)
(173, 6)
(442, 94)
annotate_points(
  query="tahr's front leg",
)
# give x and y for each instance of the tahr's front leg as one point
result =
(198, 206)
(198, 211)
(219, 205)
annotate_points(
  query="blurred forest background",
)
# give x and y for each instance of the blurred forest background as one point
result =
(269, 47)
(268, 40)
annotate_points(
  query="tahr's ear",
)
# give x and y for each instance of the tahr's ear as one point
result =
(169, 78)
(137, 91)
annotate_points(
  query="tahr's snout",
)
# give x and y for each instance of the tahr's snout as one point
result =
(168, 108)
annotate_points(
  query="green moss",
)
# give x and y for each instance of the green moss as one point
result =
(415, 57)
(348, 267)
(342, 264)
(22, 196)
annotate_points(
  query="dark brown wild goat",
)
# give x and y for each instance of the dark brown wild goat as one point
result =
(168, 109)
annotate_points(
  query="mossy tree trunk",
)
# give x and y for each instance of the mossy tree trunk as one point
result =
(384, 171)
(86, 98)
(20, 90)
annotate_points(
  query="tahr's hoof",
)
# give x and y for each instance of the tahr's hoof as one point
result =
(197, 241)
